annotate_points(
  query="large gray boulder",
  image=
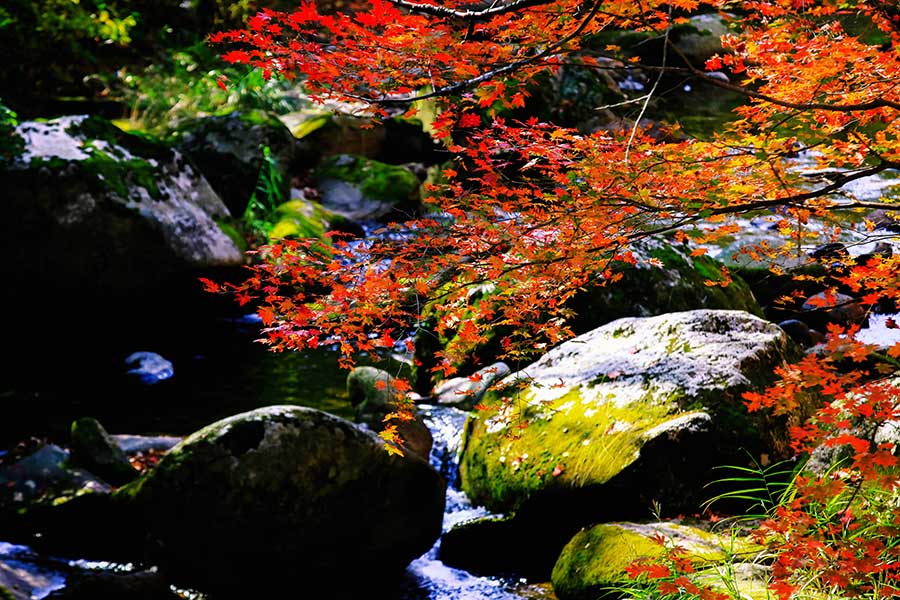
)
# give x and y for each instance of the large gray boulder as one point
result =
(631, 414)
(89, 207)
(287, 490)
(228, 150)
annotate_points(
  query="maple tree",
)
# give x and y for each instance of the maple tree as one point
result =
(538, 211)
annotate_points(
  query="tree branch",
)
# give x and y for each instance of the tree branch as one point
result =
(468, 15)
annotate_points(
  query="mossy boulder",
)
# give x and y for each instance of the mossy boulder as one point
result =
(95, 450)
(228, 150)
(593, 404)
(287, 489)
(302, 218)
(595, 559)
(365, 190)
(91, 209)
(622, 417)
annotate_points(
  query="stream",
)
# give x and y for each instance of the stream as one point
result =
(218, 371)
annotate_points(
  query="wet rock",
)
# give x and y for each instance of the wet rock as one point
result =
(885, 220)
(228, 150)
(94, 449)
(466, 392)
(798, 331)
(148, 367)
(365, 190)
(374, 394)
(478, 546)
(595, 559)
(21, 583)
(92, 209)
(287, 490)
(837, 308)
(104, 585)
(45, 502)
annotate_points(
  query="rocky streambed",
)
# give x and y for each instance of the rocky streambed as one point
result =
(580, 459)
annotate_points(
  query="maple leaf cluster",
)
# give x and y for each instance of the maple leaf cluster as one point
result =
(539, 211)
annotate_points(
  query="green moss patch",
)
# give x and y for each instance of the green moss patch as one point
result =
(378, 181)
(566, 443)
(593, 563)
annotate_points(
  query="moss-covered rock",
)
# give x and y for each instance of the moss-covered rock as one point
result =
(95, 450)
(362, 189)
(287, 490)
(89, 208)
(613, 421)
(595, 402)
(595, 559)
(228, 151)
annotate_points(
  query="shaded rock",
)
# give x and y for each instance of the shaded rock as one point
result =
(621, 418)
(365, 190)
(287, 490)
(838, 308)
(473, 545)
(228, 150)
(106, 585)
(322, 133)
(885, 219)
(644, 290)
(701, 37)
(374, 394)
(44, 475)
(798, 331)
(466, 392)
(45, 502)
(94, 449)
(148, 367)
(93, 209)
(595, 559)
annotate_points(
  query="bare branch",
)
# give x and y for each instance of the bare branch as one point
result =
(468, 15)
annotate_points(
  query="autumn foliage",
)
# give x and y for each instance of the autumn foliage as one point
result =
(539, 211)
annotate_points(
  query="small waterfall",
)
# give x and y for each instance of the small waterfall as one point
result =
(428, 577)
